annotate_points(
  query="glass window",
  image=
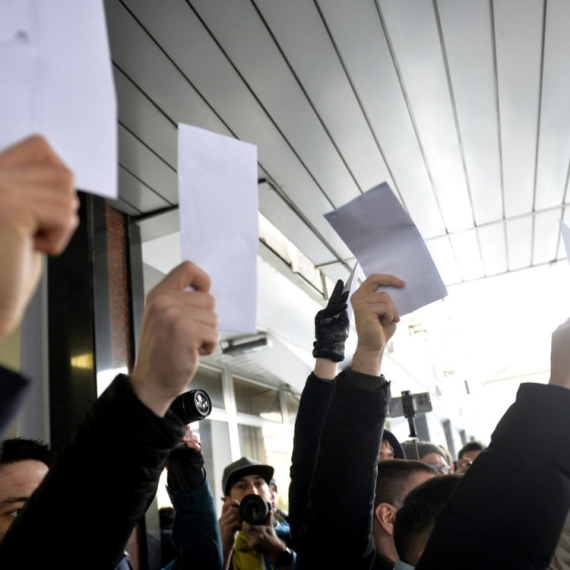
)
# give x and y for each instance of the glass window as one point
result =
(271, 445)
(292, 400)
(211, 382)
(257, 400)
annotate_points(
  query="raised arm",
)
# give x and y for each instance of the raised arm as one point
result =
(102, 482)
(331, 331)
(510, 507)
(338, 521)
(38, 215)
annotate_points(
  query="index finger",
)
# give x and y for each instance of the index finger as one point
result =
(376, 280)
(33, 150)
(185, 275)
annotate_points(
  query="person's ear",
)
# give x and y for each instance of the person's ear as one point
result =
(385, 514)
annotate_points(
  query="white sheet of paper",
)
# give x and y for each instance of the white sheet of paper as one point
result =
(219, 226)
(384, 239)
(566, 237)
(55, 58)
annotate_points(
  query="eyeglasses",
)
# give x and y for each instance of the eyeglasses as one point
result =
(443, 469)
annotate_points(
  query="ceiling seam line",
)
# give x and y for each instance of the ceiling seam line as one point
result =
(144, 94)
(497, 100)
(539, 121)
(129, 204)
(301, 161)
(501, 221)
(559, 237)
(499, 130)
(298, 213)
(286, 60)
(541, 264)
(454, 106)
(533, 238)
(409, 107)
(360, 103)
(145, 184)
(120, 122)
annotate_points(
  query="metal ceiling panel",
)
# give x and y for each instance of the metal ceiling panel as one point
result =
(302, 36)
(336, 271)
(468, 38)
(122, 206)
(415, 37)
(137, 194)
(468, 254)
(546, 232)
(138, 114)
(137, 158)
(554, 140)
(519, 242)
(358, 35)
(251, 48)
(286, 220)
(518, 37)
(179, 32)
(493, 244)
(444, 259)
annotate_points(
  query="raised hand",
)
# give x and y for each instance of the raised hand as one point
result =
(38, 215)
(178, 327)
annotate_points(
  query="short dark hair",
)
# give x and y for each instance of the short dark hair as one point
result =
(20, 449)
(393, 480)
(470, 446)
(416, 517)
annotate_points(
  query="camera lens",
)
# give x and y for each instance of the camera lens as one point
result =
(192, 406)
(253, 509)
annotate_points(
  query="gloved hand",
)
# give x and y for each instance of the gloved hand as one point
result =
(332, 326)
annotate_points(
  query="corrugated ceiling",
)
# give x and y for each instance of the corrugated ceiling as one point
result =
(461, 105)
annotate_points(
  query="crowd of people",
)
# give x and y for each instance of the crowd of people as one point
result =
(358, 497)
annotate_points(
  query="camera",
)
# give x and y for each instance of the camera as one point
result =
(192, 406)
(254, 509)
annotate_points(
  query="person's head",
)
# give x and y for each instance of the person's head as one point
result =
(429, 453)
(23, 465)
(416, 518)
(247, 476)
(386, 450)
(395, 480)
(274, 494)
(467, 454)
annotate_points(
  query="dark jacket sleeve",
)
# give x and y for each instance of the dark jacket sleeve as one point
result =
(13, 387)
(510, 507)
(337, 532)
(313, 407)
(196, 530)
(102, 482)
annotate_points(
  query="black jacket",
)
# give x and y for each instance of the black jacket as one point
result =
(337, 532)
(86, 508)
(510, 507)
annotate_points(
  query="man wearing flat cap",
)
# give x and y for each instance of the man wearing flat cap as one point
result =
(252, 546)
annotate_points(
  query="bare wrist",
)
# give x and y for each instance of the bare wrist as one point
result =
(367, 361)
(151, 396)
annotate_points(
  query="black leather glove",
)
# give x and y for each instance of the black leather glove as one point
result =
(332, 326)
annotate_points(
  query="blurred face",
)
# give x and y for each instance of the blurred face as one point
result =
(17, 483)
(250, 484)
(274, 496)
(465, 462)
(438, 462)
(386, 451)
